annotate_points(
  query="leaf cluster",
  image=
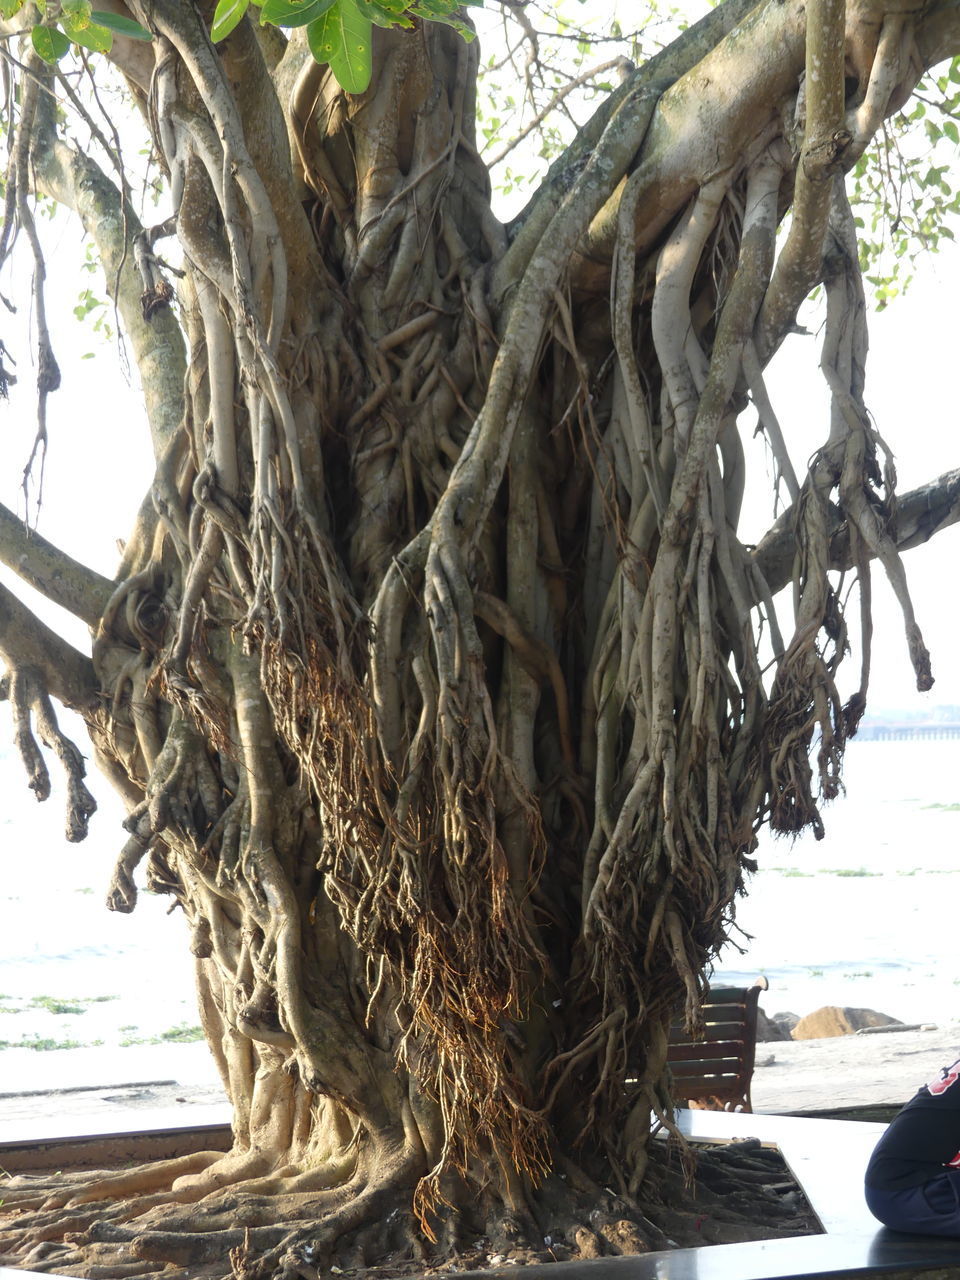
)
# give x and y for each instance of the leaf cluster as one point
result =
(903, 196)
(74, 22)
(340, 32)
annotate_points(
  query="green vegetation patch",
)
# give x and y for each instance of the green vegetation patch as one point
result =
(78, 1004)
(43, 1044)
(183, 1033)
(53, 1004)
(848, 871)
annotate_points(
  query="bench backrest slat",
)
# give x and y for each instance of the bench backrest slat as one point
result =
(715, 1068)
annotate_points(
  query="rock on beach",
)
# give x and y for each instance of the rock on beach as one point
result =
(831, 1020)
(837, 1071)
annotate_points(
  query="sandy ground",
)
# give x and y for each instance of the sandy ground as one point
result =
(46, 1095)
(847, 1071)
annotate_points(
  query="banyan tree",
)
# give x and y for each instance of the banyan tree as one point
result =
(444, 698)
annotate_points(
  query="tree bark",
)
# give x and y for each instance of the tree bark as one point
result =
(430, 674)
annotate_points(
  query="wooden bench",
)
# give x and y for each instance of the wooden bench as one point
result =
(714, 1071)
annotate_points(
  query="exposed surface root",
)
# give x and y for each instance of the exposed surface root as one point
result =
(739, 1192)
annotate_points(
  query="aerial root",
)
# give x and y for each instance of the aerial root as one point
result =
(374, 1211)
(50, 1254)
(146, 1177)
(204, 1208)
(25, 1191)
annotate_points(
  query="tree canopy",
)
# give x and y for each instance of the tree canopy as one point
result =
(444, 695)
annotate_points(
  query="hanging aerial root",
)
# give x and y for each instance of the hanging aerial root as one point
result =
(30, 702)
(418, 875)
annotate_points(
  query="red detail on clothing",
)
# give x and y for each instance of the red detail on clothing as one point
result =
(955, 1162)
(948, 1076)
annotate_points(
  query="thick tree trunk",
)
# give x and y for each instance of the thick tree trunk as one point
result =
(431, 671)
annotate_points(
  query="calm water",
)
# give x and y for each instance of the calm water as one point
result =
(866, 917)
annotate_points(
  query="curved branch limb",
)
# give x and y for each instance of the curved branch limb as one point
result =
(734, 330)
(75, 180)
(891, 58)
(920, 514)
(528, 228)
(822, 156)
(622, 303)
(25, 641)
(670, 314)
(68, 583)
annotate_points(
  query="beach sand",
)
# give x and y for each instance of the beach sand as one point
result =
(46, 1095)
(850, 1071)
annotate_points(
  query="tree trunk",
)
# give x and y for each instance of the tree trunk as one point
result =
(432, 673)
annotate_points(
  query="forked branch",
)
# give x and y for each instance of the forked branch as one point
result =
(921, 513)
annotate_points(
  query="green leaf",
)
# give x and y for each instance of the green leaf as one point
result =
(293, 13)
(97, 39)
(75, 13)
(343, 38)
(49, 43)
(121, 25)
(950, 129)
(10, 7)
(431, 15)
(384, 15)
(226, 16)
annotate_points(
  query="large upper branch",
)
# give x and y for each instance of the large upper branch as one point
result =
(27, 642)
(68, 583)
(732, 80)
(920, 514)
(672, 62)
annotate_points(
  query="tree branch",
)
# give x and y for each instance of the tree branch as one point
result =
(919, 515)
(27, 642)
(528, 227)
(824, 141)
(68, 583)
(76, 181)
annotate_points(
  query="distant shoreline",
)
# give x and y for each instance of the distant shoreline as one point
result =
(889, 732)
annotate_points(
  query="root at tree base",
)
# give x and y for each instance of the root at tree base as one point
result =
(735, 1193)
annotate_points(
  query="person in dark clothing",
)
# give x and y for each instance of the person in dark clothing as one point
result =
(912, 1181)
